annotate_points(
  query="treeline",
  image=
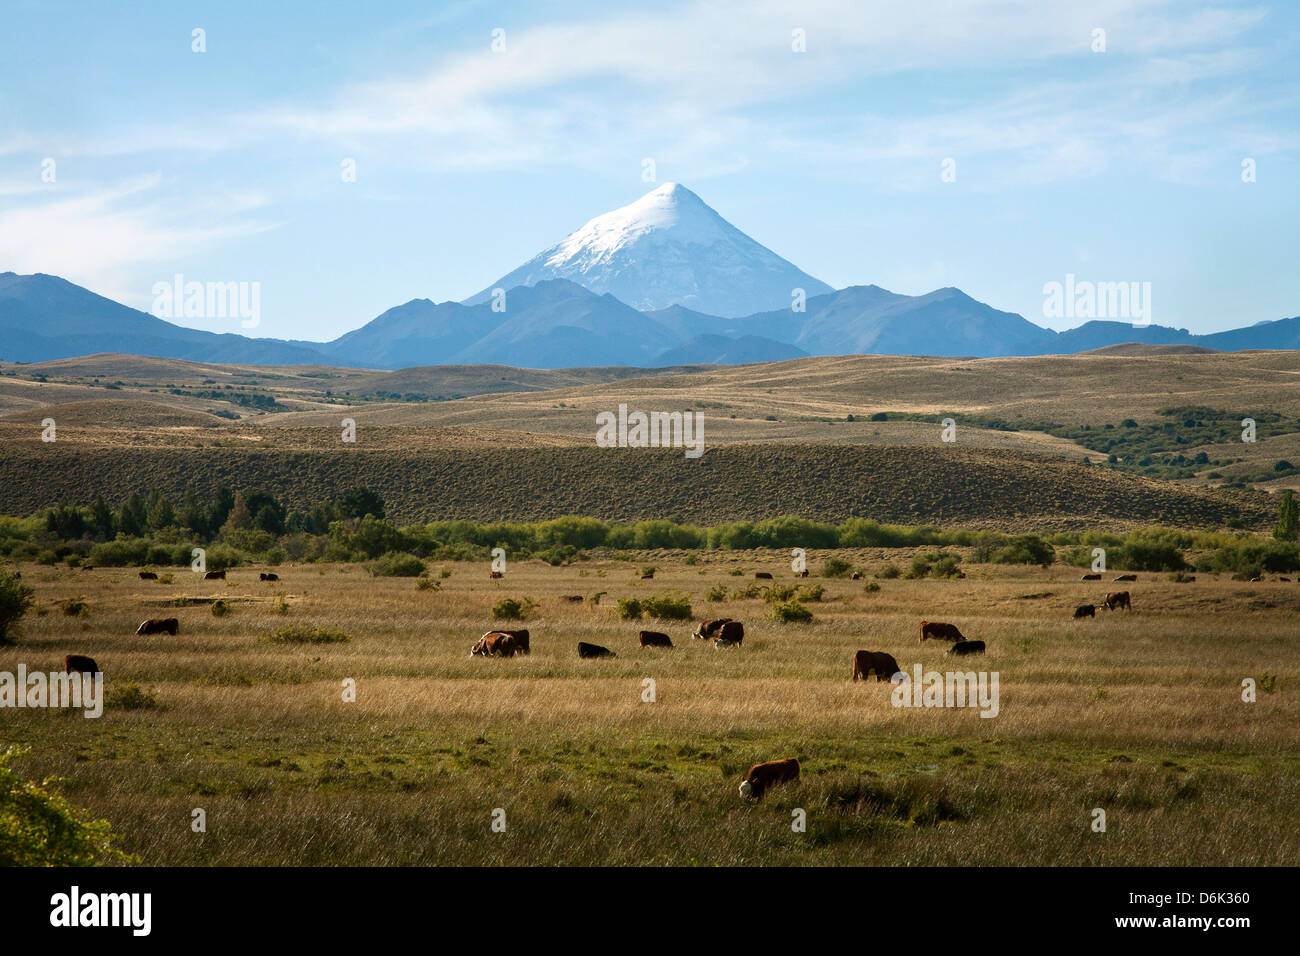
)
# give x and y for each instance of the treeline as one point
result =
(251, 526)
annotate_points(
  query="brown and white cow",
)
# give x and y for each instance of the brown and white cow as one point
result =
(761, 776)
(708, 629)
(940, 631)
(493, 575)
(881, 664)
(495, 644)
(1127, 577)
(1118, 599)
(268, 576)
(1091, 577)
(159, 625)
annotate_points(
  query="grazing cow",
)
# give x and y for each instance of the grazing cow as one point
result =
(87, 567)
(1091, 577)
(865, 662)
(148, 576)
(495, 644)
(648, 575)
(215, 576)
(655, 639)
(493, 575)
(1127, 577)
(1045, 567)
(1085, 610)
(1284, 579)
(1256, 580)
(763, 575)
(730, 634)
(572, 598)
(940, 631)
(802, 574)
(268, 576)
(1118, 599)
(521, 639)
(708, 628)
(159, 625)
(764, 775)
(962, 648)
(854, 576)
(594, 650)
(80, 664)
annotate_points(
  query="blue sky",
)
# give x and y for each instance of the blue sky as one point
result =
(1122, 165)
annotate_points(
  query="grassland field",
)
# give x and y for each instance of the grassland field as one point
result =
(1138, 713)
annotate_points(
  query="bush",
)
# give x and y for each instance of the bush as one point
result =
(629, 609)
(306, 634)
(220, 607)
(835, 568)
(16, 599)
(40, 828)
(397, 564)
(74, 607)
(871, 587)
(1024, 549)
(716, 593)
(888, 572)
(791, 612)
(508, 609)
(130, 697)
(665, 607)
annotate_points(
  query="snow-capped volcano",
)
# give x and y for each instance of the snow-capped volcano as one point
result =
(668, 248)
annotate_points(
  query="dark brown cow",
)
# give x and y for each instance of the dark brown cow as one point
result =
(80, 664)
(1085, 610)
(594, 650)
(215, 576)
(708, 628)
(493, 575)
(148, 576)
(1091, 577)
(962, 648)
(495, 644)
(730, 634)
(521, 639)
(655, 639)
(801, 574)
(940, 631)
(866, 662)
(268, 576)
(764, 775)
(572, 598)
(1127, 577)
(763, 575)
(159, 625)
(648, 575)
(1118, 599)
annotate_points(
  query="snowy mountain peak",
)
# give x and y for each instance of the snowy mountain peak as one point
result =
(668, 248)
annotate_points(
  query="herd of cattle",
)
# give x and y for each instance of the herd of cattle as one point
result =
(723, 632)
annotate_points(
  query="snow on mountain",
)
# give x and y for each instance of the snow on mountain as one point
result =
(668, 248)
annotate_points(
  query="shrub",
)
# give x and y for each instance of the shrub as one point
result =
(16, 599)
(1024, 549)
(835, 568)
(396, 564)
(426, 583)
(871, 586)
(220, 607)
(74, 607)
(508, 609)
(130, 697)
(1180, 577)
(668, 608)
(307, 634)
(736, 572)
(629, 609)
(40, 828)
(888, 572)
(716, 593)
(813, 593)
(791, 612)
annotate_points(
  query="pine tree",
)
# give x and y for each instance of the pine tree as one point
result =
(240, 517)
(1288, 521)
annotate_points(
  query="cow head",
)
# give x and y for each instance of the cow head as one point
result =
(746, 788)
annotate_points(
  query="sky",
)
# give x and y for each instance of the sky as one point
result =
(992, 145)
